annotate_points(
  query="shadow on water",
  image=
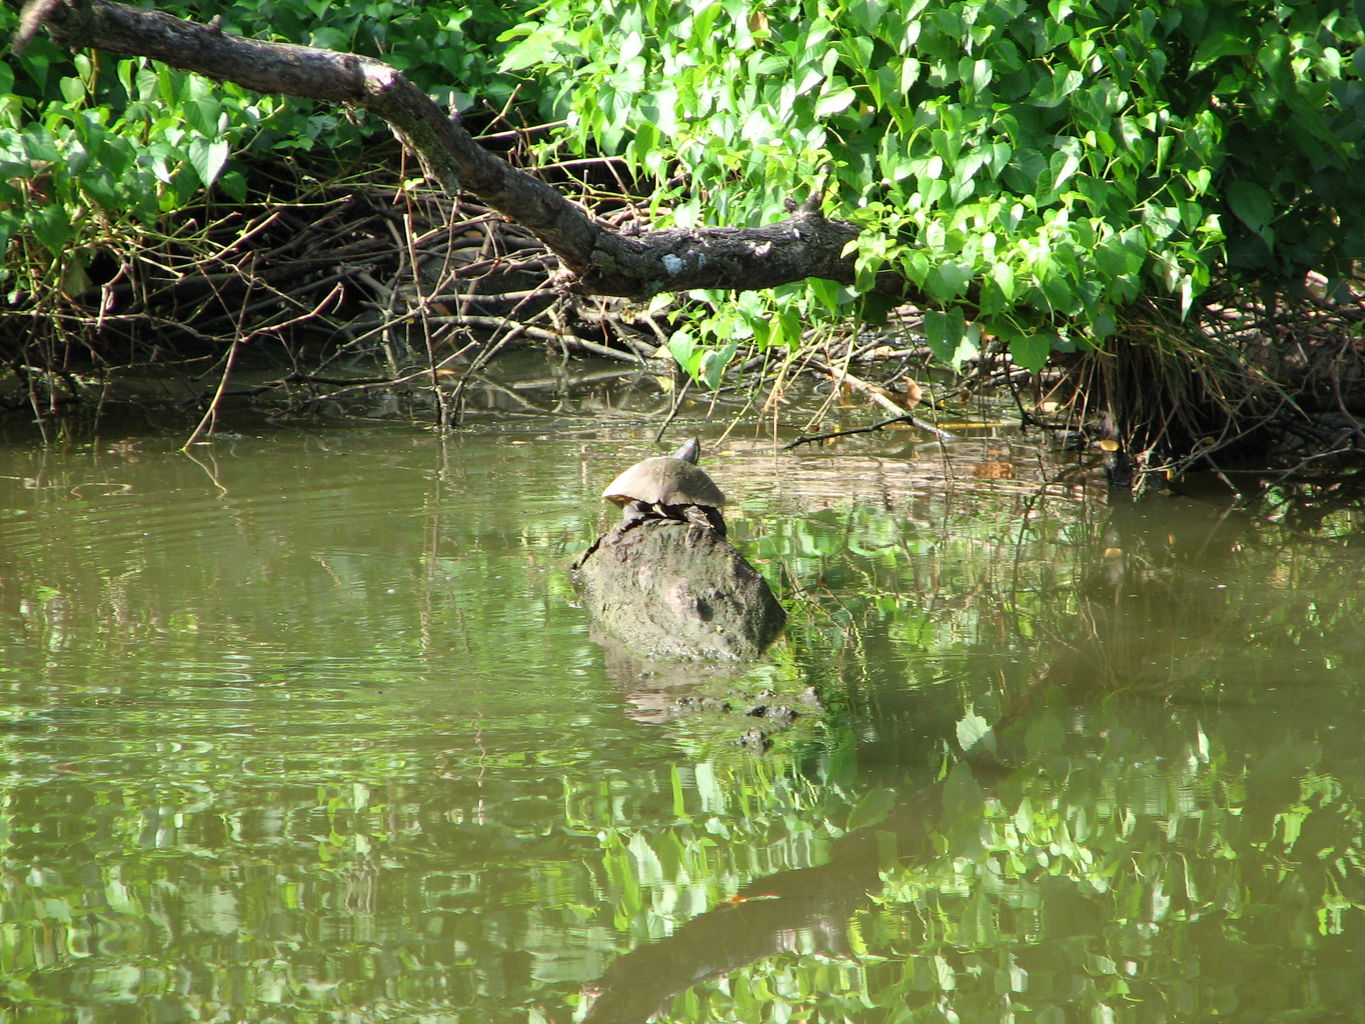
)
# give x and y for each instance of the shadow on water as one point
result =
(313, 729)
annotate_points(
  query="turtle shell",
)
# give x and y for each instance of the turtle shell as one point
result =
(664, 480)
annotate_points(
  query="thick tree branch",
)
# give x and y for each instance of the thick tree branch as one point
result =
(598, 260)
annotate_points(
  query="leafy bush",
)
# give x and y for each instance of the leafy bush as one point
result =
(1031, 168)
(88, 147)
(95, 150)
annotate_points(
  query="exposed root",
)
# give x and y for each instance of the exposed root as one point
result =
(1238, 382)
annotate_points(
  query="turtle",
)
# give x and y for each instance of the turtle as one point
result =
(669, 487)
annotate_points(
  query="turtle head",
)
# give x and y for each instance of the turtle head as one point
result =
(689, 452)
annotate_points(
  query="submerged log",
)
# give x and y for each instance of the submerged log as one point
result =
(671, 589)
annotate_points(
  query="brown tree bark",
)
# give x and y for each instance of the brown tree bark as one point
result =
(596, 259)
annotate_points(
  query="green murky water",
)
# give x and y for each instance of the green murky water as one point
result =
(309, 727)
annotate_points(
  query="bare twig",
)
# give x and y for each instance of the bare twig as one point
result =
(879, 396)
(872, 429)
(210, 417)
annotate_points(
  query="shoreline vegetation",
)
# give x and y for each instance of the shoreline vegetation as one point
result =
(1074, 204)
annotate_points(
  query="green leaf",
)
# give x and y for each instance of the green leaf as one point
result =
(1003, 277)
(40, 146)
(943, 331)
(73, 91)
(51, 226)
(714, 361)
(1031, 351)
(1253, 207)
(684, 350)
(103, 187)
(207, 157)
(1063, 165)
(233, 184)
(977, 923)
(835, 100)
(949, 280)
(830, 294)
(204, 115)
(532, 51)
(1219, 45)
(950, 338)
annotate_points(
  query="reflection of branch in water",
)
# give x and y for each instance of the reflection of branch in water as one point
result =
(764, 919)
(210, 471)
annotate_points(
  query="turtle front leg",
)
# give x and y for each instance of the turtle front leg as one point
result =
(634, 513)
(716, 520)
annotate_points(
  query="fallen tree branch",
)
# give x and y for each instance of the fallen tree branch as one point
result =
(596, 259)
(914, 421)
(878, 395)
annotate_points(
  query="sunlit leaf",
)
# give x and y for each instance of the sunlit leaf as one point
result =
(207, 157)
(835, 100)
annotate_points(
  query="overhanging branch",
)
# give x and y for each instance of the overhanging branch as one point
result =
(597, 259)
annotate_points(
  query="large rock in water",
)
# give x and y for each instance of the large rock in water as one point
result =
(675, 589)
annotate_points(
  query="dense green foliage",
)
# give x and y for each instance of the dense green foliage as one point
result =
(1030, 167)
(96, 149)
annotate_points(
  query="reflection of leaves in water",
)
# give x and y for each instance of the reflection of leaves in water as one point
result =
(382, 775)
(1156, 836)
(974, 734)
(872, 809)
